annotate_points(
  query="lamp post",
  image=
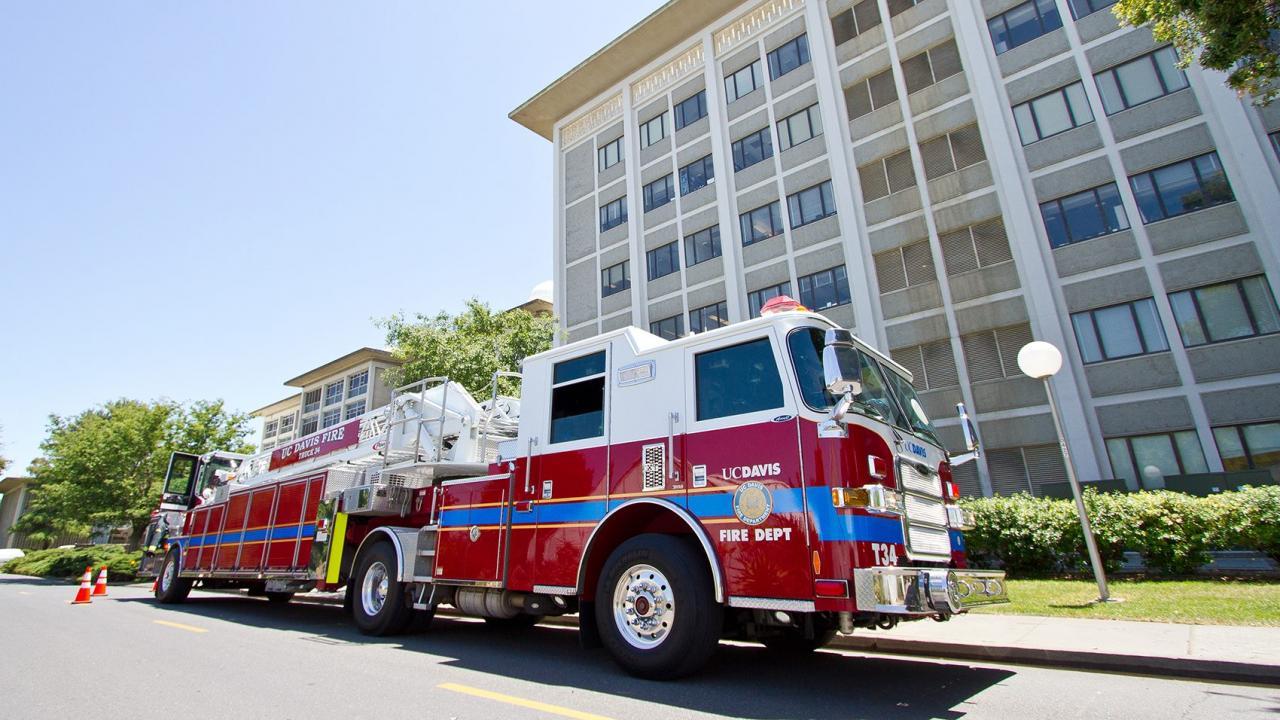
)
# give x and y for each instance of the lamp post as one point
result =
(1041, 360)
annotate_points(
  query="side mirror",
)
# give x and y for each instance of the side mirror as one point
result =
(966, 427)
(840, 364)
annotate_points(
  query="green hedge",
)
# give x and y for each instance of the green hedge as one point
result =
(1172, 531)
(69, 563)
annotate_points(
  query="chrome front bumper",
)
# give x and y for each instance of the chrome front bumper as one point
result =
(927, 591)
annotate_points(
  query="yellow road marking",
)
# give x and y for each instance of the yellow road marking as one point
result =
(180, 626)
(522, 702)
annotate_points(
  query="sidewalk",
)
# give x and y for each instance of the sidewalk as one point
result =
(1202, 652)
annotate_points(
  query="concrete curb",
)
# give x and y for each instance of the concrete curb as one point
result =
(1190, 668)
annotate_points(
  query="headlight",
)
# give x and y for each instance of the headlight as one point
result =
(873, 498)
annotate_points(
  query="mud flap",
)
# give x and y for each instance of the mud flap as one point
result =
(588, 631)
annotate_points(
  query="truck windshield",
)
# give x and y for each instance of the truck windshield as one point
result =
(885, 394)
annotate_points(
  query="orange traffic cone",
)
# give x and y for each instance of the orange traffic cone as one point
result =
(155, 583)
(101, 587)
(82, 597)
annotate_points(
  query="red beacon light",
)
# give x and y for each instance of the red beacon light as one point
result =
(781, 304)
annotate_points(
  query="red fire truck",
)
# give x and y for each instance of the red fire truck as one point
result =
(774, 480)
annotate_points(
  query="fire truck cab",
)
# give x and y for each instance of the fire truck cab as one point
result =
(775, 480)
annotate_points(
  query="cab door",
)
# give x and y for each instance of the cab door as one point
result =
(742, 458)
(179, 482)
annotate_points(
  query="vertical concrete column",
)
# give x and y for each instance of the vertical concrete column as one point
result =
(722, 158)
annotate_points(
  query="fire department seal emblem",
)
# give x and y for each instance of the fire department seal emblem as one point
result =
(474, 534)
(752, 502)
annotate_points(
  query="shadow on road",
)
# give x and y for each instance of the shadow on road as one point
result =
(742, 681)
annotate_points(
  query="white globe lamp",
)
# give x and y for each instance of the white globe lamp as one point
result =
(1039, 360)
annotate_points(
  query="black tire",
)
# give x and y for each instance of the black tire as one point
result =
(278, 598)
(170, 588)
(396, 610)
(518, 623)
(685, 644)
(793, 642)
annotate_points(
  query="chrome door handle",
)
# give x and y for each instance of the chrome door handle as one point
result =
(672, 419)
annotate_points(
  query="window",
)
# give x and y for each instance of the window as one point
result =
(904, 267)
(932, 365)
(663, 261)
(887, 175)
(577, 398)
(1080, 8)
(931, 67)
(1084, 216)
(1275, 142)
(697, 174)
(653, 130)
(762, 223)
(269, 429)
(811, 204)
(286, 424)
(743, 82)
(357, 384)
(1181, 188)
(1248, 447)
(613, 214)
(702, 245)
(609, 154)
(873, 93)
(737, 380)
(1226, 311)
(855, 21)
(331, 417)
(795, 129)
(1143, 457)
(825, 289)
(668, 328)
(757, 298)
(806, 346)
(993, 354)
(333, 393)
(897, 7)
(1023, 23)
(309, 425)
(615, 278)
(975, 247)
(1119, 331)
(354, 409)
(311, 401)
(691, 109)
(659, 193)
(752, 149)
(1141, 80)
(1056, 112)
(954, 151)
(788, 57)
(709, 317)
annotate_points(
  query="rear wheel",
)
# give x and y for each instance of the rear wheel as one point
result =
(656, 608)
(169, 587)
(381, 604)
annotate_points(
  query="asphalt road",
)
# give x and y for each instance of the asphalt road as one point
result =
(221, 656)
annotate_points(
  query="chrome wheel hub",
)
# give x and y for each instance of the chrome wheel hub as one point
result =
(166, 578)
(373, 589)
(644, 607)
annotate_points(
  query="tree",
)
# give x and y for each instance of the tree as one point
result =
(106, 465)
(468, 347)
(1238, 37)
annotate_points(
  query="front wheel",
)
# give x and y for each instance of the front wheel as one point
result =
(380, 605)
(656, 608)
(169, 587)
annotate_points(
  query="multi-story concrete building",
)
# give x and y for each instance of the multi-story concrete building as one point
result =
(951, 179)
(327, 395)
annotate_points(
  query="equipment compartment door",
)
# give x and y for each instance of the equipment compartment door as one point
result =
(209, 543)
(255, 535)
(472, 533)
(232, 532)
(282, 541)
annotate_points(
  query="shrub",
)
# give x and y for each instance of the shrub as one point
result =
(1173, 531)
(70, 563)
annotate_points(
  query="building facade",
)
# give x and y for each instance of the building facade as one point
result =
(950, 179)
(327, 395)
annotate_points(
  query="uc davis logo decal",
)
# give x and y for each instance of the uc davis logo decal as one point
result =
(752, 502)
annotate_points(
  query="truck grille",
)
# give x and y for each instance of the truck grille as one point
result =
(924, 517)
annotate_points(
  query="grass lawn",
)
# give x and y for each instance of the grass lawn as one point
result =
(1198, 602)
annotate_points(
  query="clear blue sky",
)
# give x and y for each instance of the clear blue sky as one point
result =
(204, 199)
